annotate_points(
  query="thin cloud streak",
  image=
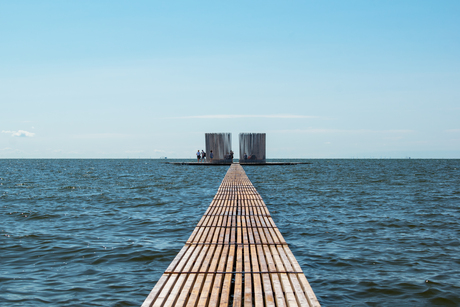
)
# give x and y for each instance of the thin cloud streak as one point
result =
(227, 116)
(101, 135)
(313, 131)
(19, 133)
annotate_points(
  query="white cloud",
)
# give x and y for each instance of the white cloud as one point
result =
(228, 116)
(453, 130)
(19, 133)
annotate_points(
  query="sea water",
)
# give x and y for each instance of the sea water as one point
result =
(101, 232)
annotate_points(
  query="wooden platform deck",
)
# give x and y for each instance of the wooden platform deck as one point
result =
(236, 256)
(241, 163)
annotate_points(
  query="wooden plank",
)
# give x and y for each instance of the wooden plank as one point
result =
(238, 287)
(258, 290)
(247, 277)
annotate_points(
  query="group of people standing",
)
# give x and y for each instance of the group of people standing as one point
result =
(201, 156)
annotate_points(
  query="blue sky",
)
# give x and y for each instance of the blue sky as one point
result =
(323, 79)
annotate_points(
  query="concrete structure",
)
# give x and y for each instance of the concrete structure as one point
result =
(221, 146)
(252, 148)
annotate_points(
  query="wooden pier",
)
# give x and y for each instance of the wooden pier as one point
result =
(236, 256)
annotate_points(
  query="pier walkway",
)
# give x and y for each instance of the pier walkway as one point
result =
(236, 256)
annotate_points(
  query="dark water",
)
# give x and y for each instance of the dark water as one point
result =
(101, 232)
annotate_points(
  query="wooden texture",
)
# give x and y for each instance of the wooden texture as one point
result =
(236, 256)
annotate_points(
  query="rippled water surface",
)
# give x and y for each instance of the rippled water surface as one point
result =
(101, 232)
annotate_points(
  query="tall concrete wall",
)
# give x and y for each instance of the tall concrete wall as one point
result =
(253, 146)
(221, 146)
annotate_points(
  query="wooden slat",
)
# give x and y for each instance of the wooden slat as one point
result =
(238, 286)
(247, 277)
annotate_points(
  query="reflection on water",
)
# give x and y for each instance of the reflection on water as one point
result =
(101, 232)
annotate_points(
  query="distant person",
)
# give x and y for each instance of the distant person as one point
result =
(231, 155)
(211, 155)
(203, 156)
(245, 156)
(198, 156)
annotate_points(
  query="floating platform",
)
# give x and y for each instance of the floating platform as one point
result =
(273, 163)
(241, 163)
(236, 256)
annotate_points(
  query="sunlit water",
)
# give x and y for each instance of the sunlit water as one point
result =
(101, 232)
